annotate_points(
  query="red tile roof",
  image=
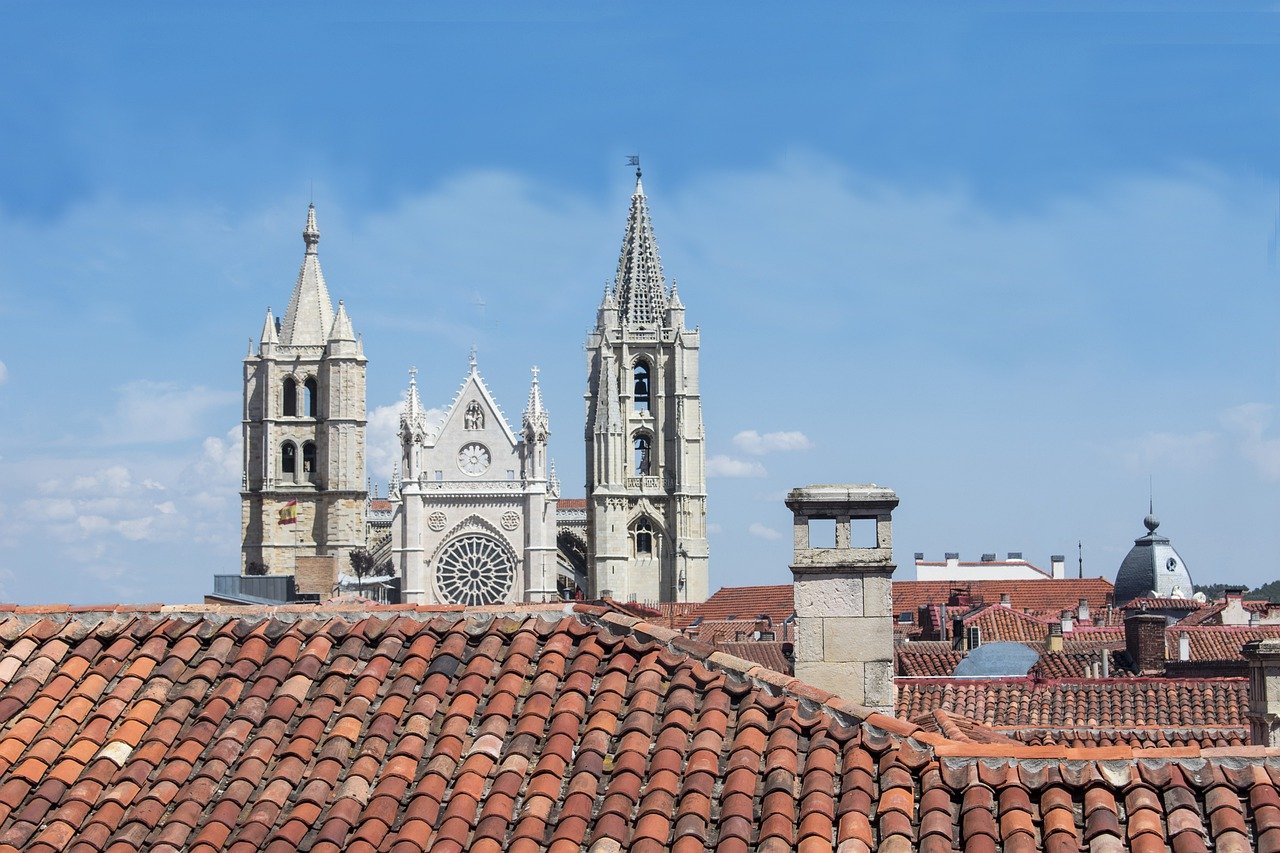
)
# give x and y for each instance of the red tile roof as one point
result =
(1128, 710)
(1163, 604)
(1216, 642)
(1047, 596)
(1003, 624)
(1075, 664)
(768, 654)
(921, 658)
(571, 503)
(548, 729)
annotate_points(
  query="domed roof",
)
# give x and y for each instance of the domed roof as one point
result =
(1152, 568)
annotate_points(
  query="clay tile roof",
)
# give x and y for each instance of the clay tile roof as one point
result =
(1163, 604)
(921, 658)
(1048, 596)
(1000, 623)
(771, 655)
(1137, 711)
(1216, 642)
(571, 503)
(548, 728)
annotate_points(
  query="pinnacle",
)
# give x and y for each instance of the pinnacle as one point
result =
(309, 318)
(342, 330)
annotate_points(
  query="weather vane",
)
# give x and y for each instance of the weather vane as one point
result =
(634, 160)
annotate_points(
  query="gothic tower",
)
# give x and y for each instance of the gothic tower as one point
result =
(646, 459)
(303, 488)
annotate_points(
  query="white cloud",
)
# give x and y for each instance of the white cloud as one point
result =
(148, 412)
(728, 466)
(1248, 425)
(382, 440)
(750, 441)
(713, 528)
(760, 531)
(1157, 451)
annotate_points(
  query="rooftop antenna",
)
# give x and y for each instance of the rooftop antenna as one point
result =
(313, 191)
(1080, 557)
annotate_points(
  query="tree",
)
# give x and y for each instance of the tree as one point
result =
(362, 566)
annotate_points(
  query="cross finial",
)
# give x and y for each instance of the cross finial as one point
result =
(535, 373)
(413, 375)
(472, 359)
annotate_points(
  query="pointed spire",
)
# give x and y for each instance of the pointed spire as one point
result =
(553, 482)
(269, 330)
(535, 414)
(310, 314)
(675, 303)
(412, 402)
(639, 282)
(342, 330)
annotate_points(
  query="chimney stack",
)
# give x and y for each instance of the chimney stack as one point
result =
(1082, 612)
(1184, 646)
(1059, 566)
(1264, 691)
(844, 595)
(1005, 601)
(1144, 641)
(1054, 641)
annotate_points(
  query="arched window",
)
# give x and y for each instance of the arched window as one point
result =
(641, 374)
(289, 396)
(289, 458)
(309, 459)
(644, 536)
(643, 459)
(313, 396)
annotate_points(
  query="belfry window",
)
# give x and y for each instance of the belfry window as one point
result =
(641, 375)
(288, 458)
(644, 536)
(643, 457)
(309, 459)
(313, 397)
(289, 397)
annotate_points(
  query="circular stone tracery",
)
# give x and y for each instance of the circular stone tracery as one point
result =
(475, 570)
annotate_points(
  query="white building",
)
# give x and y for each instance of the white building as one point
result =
(474, 521)
(1014, 567)
(646, 455)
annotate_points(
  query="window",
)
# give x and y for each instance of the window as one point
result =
(288, 458)
(289, 397)
(313, 398)
(643, 460)
(641, 373)
(309, 459)
(644, 536)
(439, 476)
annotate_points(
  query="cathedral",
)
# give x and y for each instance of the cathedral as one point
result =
(473, 508)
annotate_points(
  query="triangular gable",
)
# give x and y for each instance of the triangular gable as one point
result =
(474, 382)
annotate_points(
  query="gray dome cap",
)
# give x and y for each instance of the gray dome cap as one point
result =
(1152, 568)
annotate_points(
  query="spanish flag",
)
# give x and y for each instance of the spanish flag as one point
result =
(289, 513)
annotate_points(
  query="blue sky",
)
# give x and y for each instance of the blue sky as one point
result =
(1011, 260)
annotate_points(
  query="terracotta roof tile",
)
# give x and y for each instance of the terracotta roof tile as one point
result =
(407, 729)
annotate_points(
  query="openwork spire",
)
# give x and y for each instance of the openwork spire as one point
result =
(642, 294)
(310, 314)
(535, 414)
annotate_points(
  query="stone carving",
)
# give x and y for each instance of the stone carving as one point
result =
(474, 417)
(436, 521)
(510, 520)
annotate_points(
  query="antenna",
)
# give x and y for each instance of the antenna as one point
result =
(1151, 496)
(1080, 557)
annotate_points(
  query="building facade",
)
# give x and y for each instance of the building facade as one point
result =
(303, 488)
(645, 443)
(474, 519)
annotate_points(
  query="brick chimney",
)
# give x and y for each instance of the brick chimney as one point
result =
(843, 595)
(1144, 641)
(1264, 691)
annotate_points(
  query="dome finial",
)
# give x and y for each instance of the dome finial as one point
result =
(1151, 522)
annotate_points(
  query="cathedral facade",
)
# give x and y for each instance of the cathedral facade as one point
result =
(303, 487)
(474, 520)
(645, 442)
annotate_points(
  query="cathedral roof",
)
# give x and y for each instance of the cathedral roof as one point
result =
(1152, 568)
(310, 315)
(474, 380)
(640, 285)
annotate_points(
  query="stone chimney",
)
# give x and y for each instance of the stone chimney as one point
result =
(1053, 642)
(1144, 641)
(1264, 691)
(1005, 600)
(844, 596)
(1184, 646)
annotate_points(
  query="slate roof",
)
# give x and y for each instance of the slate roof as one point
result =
(547, 729)
(1136, 711)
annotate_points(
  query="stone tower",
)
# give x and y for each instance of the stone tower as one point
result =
(646, 456)
(844, 594)
(303, 426)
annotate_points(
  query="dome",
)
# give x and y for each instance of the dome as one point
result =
(1152, 568)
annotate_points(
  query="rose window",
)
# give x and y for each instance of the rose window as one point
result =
(475, 570)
